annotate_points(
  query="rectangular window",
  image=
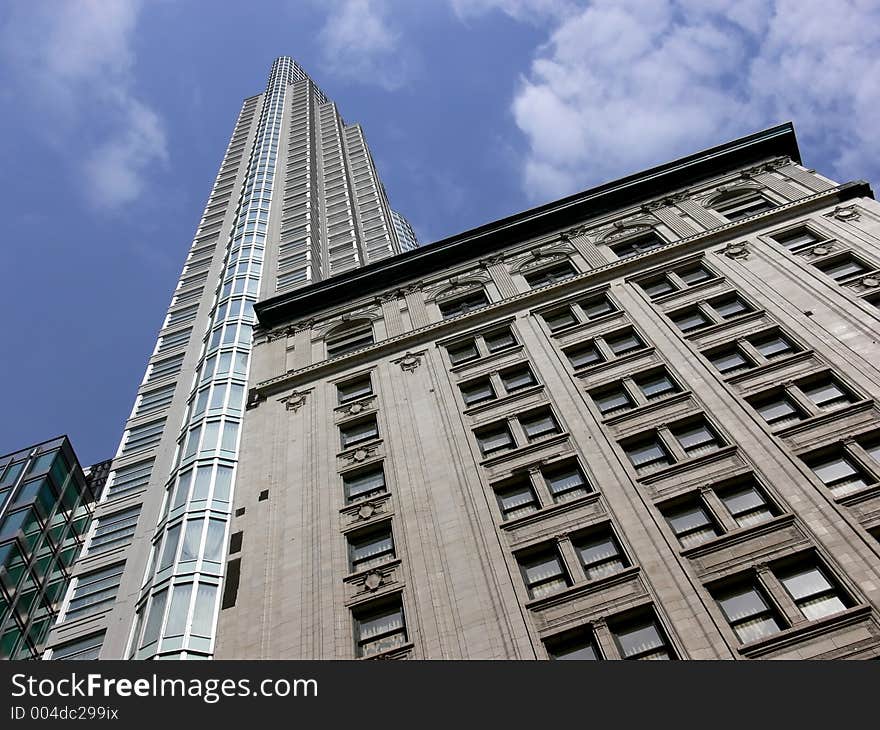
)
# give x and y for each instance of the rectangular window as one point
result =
(641, 638)
(600, 554)
(612, 400)
(499, 339)
(647, 454)
(130, 479)
(827, 394)
(689, 320)
(797, 238)
(657, 287)
(773, 346)
(695, 274)
(477, 391)
(597, 306)
(539, 424)
(369, 549)
(85, 649)
(517, 378)
(94, 592)
(577, 644)
(777, 410)
(114, 531)
(691, 524)
(516, 498)
(379, 627)
(354, 389)
(583, 355)
(623, 342)
(746, 504)
(748, 612)
(730, 306)
(559, 319)
(843, 267)
(364, 483)
(349, 338)
(352, 434)
(812, 592)
(543, 573)
(840, 474)
(494, 438)
(463, 352)
(565, 481)
(729, 361)
(696, 439)
(744, 205)
(655, 385)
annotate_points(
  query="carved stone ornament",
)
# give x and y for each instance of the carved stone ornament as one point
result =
(294, 401)
(871, 282)
(373, 581)
(845, 213)
(366, 511)
(821, 250)
(354, 409)
(570, 233)
(738, 250)
(410, 361)
(360, 455)
(666, 202)
(491, 261)
(764, 167)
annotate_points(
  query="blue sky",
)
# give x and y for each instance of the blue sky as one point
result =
(117, 112)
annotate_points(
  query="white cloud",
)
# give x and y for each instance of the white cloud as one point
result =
(624, 84)
(75, 62)
(358, 42)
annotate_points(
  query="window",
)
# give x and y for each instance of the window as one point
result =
(550, 275)
(463, 305)
(565, 481)
(559, 318)
(81, 649)
(696, 439)
(753, 607)
(517, 378)
(676, 280)
(842, 268)
(739, 205)
(612, 400)
(371, 548)
(585, 310)
(494, 438)
(746, 503)
(638, 245)
(539, 424)
(349, 337)
(691, 523)
(754, 351)
(777, 410)
(655, 385)
(690, 319)
(114, 531)
(624, 342)
(641, 638)
(94, 592)
(498, 339)
(542, 572)
(648, 454)
(379, 627)
(600, 554)
(827, 394)
(840, 473)
(577, 644)
(712, 312)
(358, 432)
(796, 239)
(477, 391)
(748, 612)
(812, 592)
(354, 389)
(581, 356)
(363, 483)
(516, 498)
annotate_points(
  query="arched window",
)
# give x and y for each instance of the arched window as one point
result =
(349, 337)
(462, 304)
(737, 204)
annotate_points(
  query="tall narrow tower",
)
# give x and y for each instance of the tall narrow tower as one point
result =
(297, 199)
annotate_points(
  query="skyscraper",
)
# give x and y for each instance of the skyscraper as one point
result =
(405, 233)
(640, 422)
(297, 199)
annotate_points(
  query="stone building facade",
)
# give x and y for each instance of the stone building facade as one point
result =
(639, 422)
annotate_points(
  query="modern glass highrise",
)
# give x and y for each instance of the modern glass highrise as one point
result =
(297, 200)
